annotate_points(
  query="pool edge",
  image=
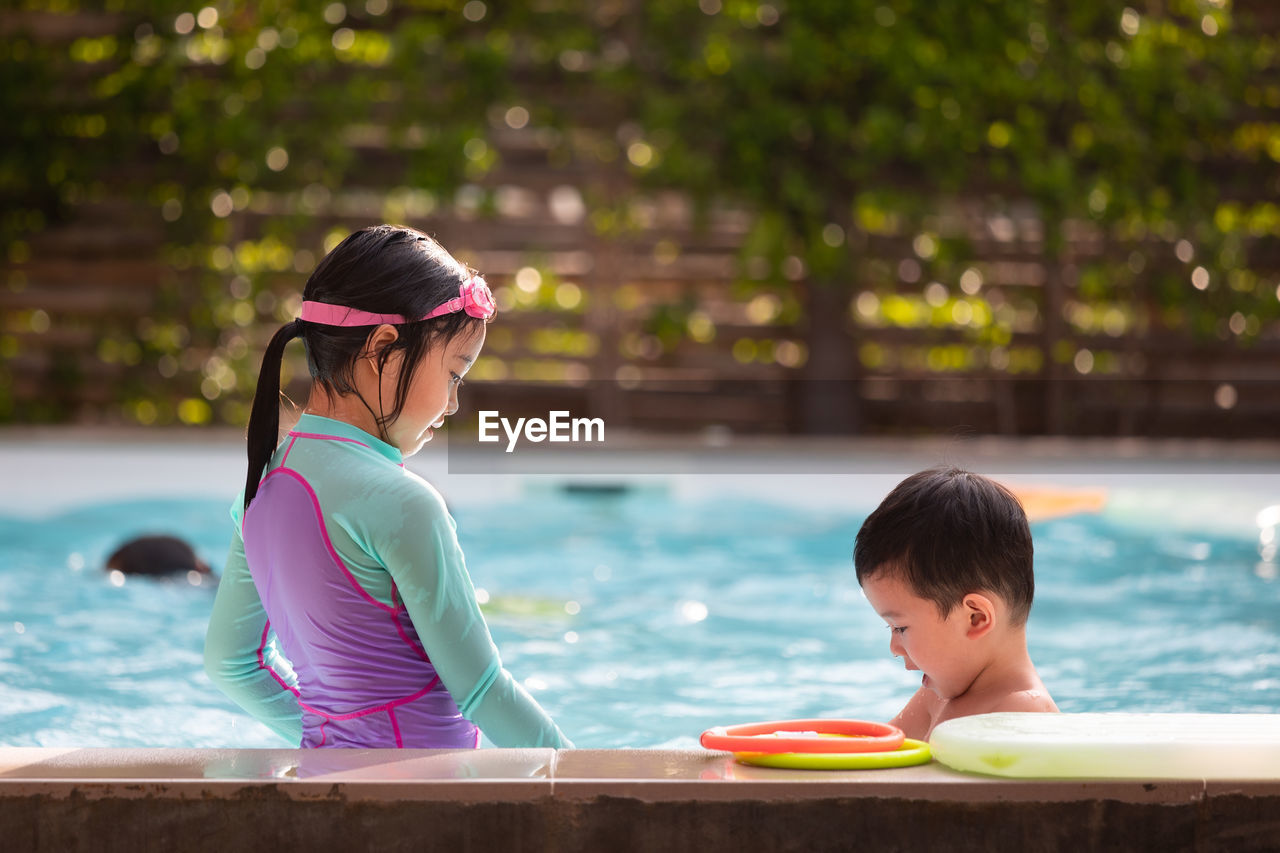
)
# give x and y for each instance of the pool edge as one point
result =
(613, 800)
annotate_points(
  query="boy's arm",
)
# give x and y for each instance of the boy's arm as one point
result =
(916, 718)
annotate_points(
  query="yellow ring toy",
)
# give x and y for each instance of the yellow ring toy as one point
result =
(912, 752)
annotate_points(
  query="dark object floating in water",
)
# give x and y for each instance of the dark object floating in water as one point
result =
(156, 556)
(588, 488)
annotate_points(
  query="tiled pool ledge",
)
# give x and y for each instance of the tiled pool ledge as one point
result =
(591, 800)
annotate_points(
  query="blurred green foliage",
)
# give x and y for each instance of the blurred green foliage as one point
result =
(1156, 123)
(837, 123)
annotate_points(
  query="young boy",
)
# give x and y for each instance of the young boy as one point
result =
(945, 560)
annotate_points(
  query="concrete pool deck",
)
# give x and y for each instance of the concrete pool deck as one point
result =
(592, 800)
(618, 800)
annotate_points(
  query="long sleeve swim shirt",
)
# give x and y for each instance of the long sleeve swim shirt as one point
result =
(345, 616)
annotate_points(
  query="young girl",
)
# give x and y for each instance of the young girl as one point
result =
(345, 616)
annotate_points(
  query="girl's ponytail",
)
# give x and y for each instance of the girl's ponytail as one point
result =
(264, 420)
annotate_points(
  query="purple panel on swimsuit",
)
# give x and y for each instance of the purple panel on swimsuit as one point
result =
(363, 677)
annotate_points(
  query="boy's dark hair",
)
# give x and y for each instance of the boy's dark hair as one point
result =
(946, 533)
(384, 269)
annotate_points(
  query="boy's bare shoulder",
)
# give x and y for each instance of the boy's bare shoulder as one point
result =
(1035, 699)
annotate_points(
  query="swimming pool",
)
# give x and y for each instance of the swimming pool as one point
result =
(641, 616)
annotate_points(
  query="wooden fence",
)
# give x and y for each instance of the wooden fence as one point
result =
(741, 363)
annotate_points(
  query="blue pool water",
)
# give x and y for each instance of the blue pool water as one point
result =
(640, 619)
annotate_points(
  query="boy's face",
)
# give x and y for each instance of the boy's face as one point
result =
(924, 640)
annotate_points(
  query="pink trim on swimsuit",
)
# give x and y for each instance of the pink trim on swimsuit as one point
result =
(385, 706)
(284, 460)
(324, 533)
(324, 437)
(395, 728)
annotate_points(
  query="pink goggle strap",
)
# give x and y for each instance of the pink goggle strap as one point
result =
(473, 297)
(340, 315)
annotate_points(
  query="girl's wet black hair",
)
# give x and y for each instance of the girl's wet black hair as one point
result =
(385, 269)
(947, 532)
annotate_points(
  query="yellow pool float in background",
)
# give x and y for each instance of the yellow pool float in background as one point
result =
(1043, 503)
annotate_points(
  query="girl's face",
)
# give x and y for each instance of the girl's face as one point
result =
(926, 641)
(433, 393)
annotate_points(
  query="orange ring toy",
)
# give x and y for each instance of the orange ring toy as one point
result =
(812, 736)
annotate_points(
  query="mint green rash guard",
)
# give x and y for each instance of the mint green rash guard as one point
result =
(392, 537)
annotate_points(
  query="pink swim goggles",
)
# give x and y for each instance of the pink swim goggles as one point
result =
(473, 297)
